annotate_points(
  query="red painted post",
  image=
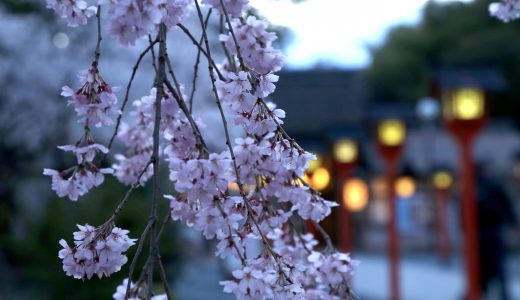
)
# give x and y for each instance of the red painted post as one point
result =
(393, 235)
(344, 222)
(465, 131)
(470, 221)
(391, 156)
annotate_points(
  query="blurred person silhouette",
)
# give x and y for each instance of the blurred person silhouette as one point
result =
(495, 212)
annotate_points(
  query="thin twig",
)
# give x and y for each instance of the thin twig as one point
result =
(240, 256)
(153, 53)
(136, 255)
(97, 52)
(134, 186)
(226, 51)
(210, 60)
(230, 28)
(159, 235)
(127, 93)
(194, 81)
(165, 221)
(272, 210)
(109, 224)
(162, 273)
(194, 127)
(196, 66)
(325, 235)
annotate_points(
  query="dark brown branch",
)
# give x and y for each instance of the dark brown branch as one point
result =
(134, 186)
(160, 78)
(196, 66)
(97, 52)
(159, 235)
(194, 81)
(153, 54)
(162, 273)
(136, 256)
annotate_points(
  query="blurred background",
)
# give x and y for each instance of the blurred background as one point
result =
(411, 106)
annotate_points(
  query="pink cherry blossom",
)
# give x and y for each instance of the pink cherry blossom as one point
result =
(505, 10)
(234, 8)
(75, 11)
(94, 252)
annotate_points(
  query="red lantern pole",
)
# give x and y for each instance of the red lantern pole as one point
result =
(391, 156)
(344, 222)
(465, 131)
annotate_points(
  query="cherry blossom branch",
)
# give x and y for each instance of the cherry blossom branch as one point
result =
(260, 100)
(270, 208)
(194, 127)
(94, 67)
(325, 235)
(266, 154)
(278, 125)
(160, 78)
(226, 52)
(230, 28)
(134, 186)
(110, 222)
(280, 128)
(99, 38)
(230, 147)
(240, 256)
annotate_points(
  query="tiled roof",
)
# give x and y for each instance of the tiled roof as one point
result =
(320, 99)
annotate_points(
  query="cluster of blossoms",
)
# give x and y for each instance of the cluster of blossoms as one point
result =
(250, 192)
(175, 129)
(129, 19)
(95, 105)
(234, 8)
(95, 101)
(505, 10)
(75, 11)
(138, 139)
(308, 274)
(79, 179)
(95, 252)
(269, 165)
(135, 292)
(255, 44)
(132, 19)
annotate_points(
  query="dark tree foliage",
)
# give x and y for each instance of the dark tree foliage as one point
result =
(449, 34)
(22, 6)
